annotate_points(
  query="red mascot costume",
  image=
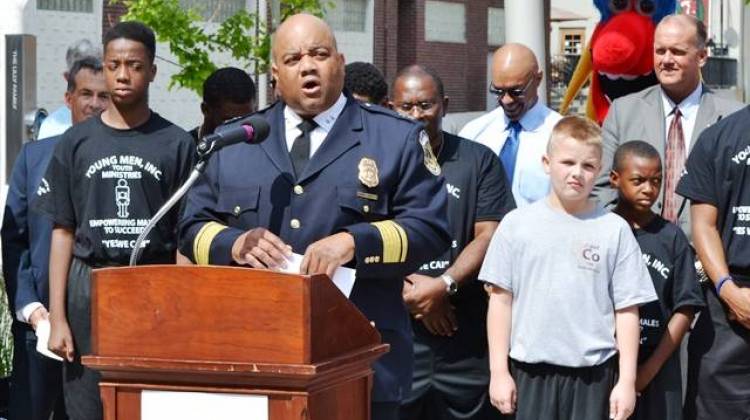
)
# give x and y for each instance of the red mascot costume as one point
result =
(619, 57)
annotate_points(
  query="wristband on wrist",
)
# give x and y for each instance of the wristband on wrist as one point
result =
(723, 279)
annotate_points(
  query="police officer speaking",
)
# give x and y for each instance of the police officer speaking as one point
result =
(341, 182)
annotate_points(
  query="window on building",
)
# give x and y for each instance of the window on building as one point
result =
(214, 10)
(572, 40)
(495, 26)
(444, 21)
(80, 6)
(347, 15)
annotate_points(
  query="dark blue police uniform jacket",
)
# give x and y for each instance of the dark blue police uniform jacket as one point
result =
(397, 224)
(26, 234)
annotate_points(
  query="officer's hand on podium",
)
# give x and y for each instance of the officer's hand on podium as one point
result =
(61, 339)
(328, 254)
(260, 248)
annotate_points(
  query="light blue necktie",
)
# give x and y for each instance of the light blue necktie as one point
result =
(509, 151)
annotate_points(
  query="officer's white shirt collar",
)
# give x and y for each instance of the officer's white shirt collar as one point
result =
(325, 121)
(689, 109)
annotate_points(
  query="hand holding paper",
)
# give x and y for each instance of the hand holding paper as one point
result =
(343, 277)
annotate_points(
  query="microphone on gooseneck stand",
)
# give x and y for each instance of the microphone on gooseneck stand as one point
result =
(252, 129)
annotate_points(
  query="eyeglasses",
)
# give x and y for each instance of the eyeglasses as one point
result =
(408, 106)
(513, 92)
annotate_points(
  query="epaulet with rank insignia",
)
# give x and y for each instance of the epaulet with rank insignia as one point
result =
(230, 123)
(377, 109)
(267, 107)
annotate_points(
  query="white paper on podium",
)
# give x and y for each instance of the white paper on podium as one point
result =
(167, 405)
(42, 339)
(343, 278)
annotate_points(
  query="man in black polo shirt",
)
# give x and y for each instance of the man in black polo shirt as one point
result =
(449, 306)
(717, 182)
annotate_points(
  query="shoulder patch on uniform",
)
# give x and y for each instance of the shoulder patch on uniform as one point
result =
(430, 161)
(377, 109)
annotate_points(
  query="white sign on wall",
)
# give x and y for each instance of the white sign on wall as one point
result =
(166, 405)
(444, 22)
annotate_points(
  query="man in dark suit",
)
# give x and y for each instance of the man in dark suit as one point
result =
(670, 115)
(337, 180)
(36, 382)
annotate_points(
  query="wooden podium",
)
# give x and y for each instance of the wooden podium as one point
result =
(295, 339)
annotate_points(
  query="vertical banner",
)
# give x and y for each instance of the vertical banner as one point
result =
(20, 88)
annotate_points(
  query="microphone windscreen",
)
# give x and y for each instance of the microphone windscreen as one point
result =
(261, 129)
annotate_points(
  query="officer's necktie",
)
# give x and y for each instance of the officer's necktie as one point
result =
(509, 151)
(675, 157)
(300, 152)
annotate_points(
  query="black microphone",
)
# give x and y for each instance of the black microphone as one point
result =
(252, 130)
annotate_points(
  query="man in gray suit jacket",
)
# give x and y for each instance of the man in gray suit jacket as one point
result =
(648, 115)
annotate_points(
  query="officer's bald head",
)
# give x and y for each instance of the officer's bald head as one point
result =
(515, 69)
(307, 66)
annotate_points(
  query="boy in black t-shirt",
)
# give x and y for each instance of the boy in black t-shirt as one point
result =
(666, 251)
(107, 178)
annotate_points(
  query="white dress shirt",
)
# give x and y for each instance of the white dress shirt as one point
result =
(325, 121)
(56, 123)
(530, 182)
(689, 109)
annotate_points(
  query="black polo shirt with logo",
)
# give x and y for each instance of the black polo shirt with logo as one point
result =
(477, 191)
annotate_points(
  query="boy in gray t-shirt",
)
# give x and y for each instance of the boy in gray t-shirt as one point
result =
(567, 280)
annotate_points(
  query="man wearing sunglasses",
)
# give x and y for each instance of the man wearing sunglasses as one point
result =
(518, 130)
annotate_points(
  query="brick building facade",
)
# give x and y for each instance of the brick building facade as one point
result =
(401, 39)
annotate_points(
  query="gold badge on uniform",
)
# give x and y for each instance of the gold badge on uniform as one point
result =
(430, 161)
(368, 172)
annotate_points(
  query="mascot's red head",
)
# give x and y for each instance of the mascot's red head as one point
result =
(620, 55)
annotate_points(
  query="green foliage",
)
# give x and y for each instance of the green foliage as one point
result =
(244, 36)
(6, 340)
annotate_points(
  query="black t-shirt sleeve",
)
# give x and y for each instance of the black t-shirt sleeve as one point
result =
(186, 156)
(699, 182)
(494, 197)
(686, 291)
(54, 195)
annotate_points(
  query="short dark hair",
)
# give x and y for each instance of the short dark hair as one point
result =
(228, 84)
(134, 31)
(92, 63)
(365, 79)
(420, 70)
(637, 148)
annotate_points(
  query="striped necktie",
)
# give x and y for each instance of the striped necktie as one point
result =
(675, 157)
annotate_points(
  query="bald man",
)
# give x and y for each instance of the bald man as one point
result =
(338, 181)
(518, 130)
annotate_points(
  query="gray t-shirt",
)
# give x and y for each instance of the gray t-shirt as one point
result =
(568, 275)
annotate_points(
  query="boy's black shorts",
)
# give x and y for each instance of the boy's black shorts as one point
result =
(550, 392)
(80, 384)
